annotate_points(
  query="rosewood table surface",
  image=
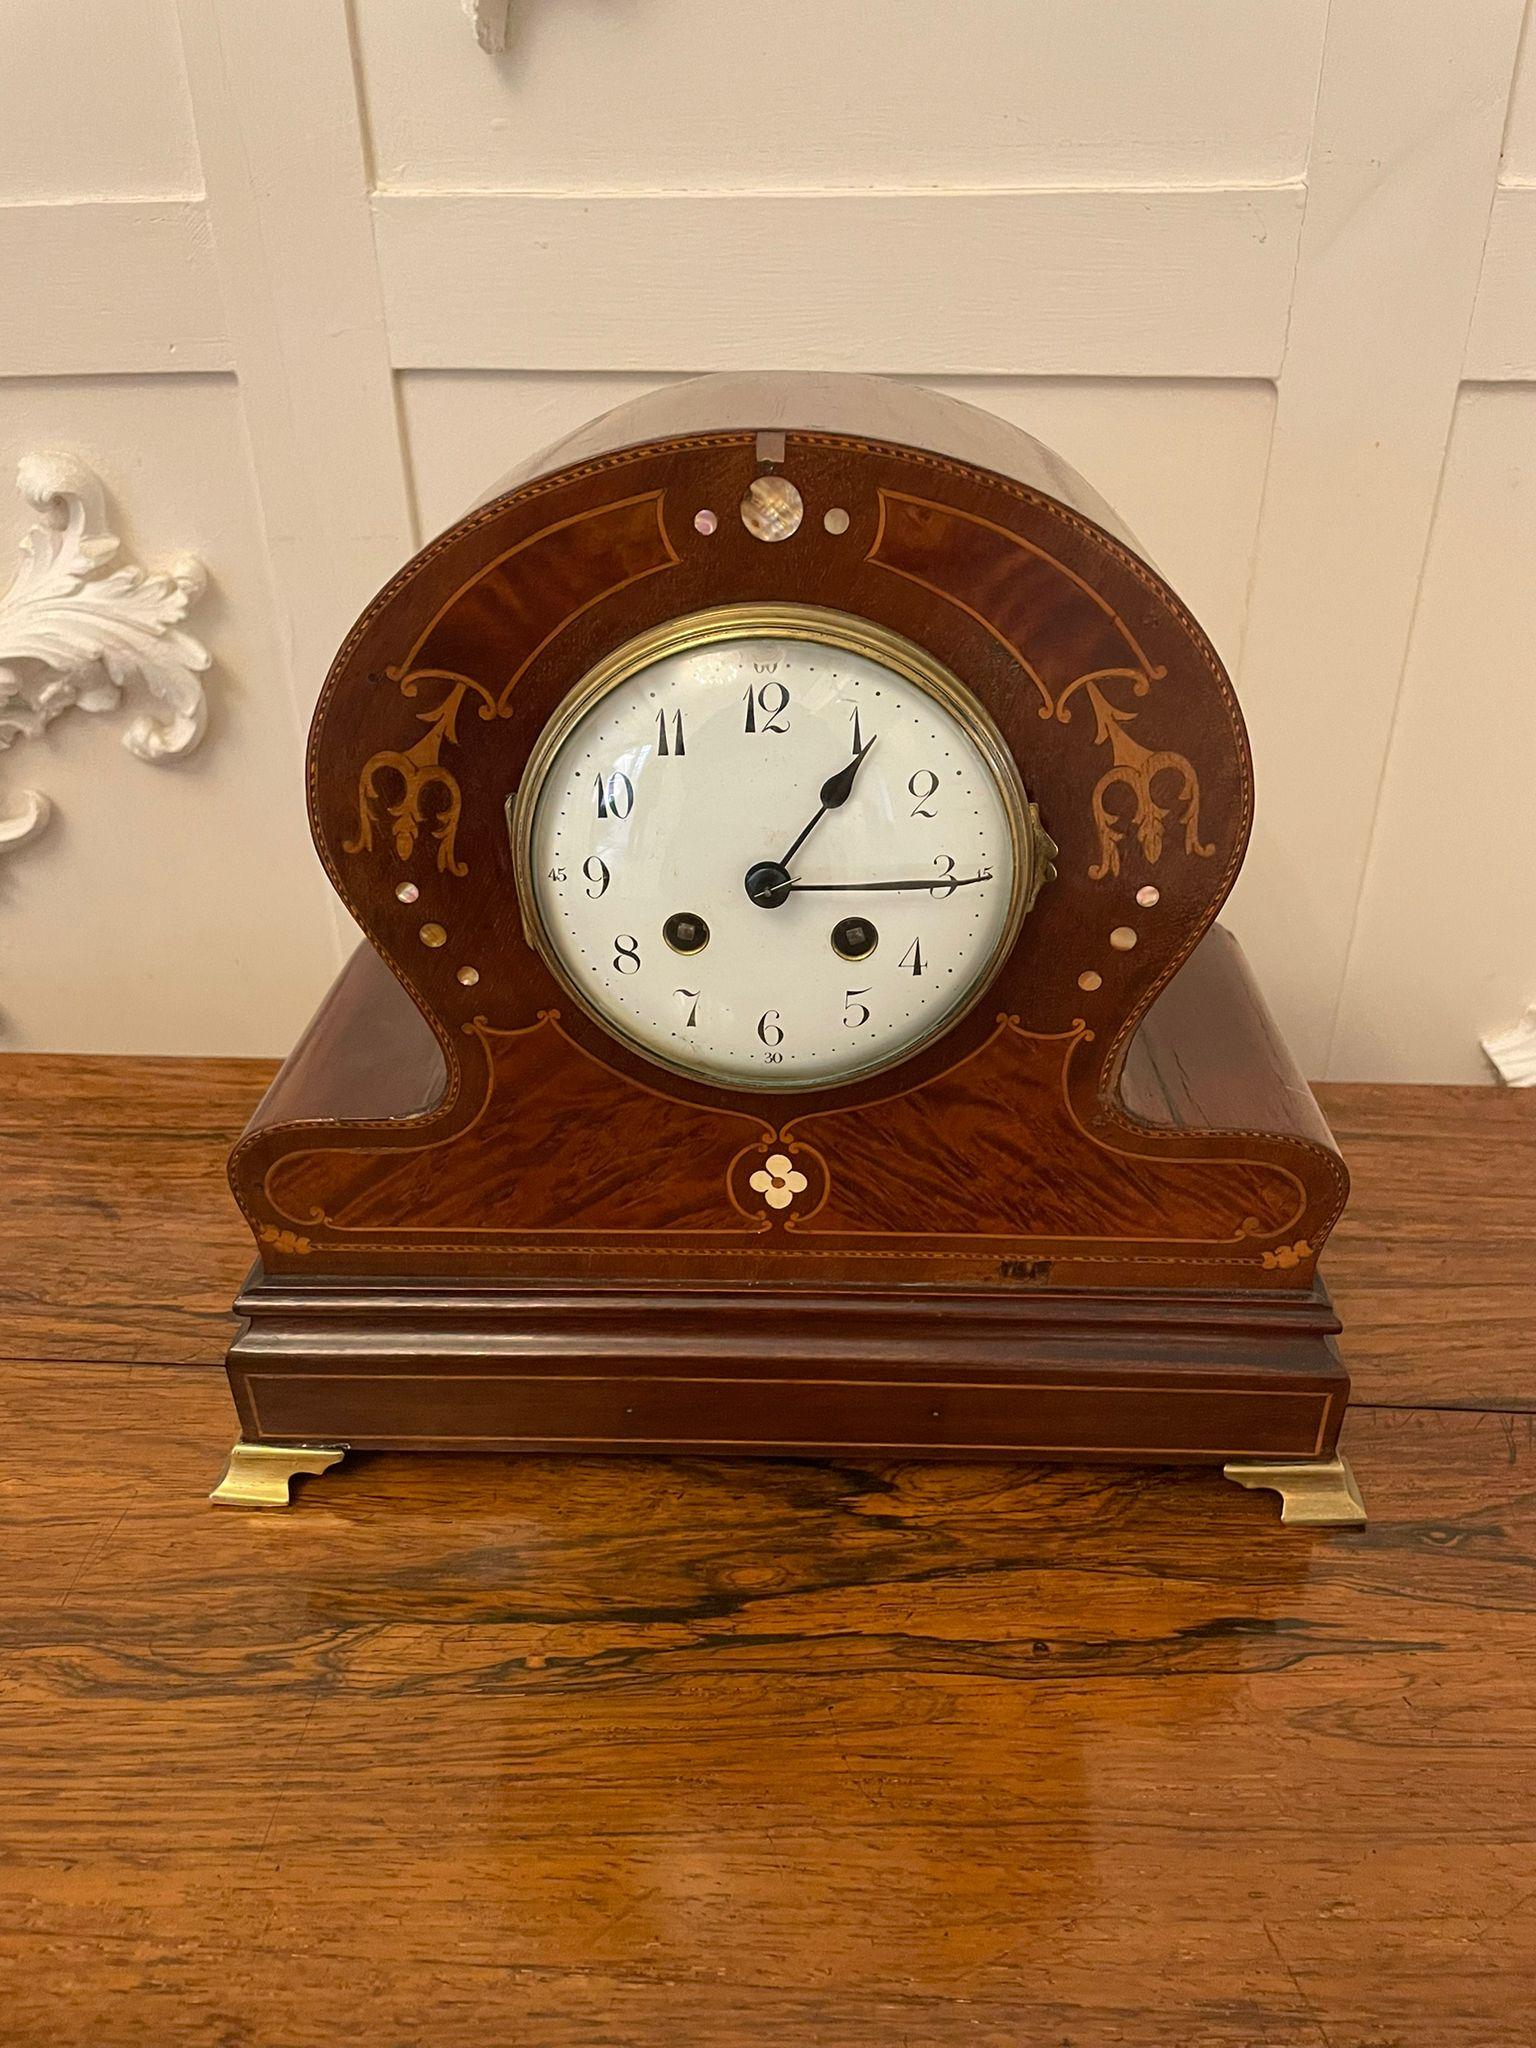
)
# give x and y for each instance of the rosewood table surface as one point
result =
(633, 1754)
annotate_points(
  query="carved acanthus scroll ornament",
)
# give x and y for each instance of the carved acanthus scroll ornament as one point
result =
(74, 633)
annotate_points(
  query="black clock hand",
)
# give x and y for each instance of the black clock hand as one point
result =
(767, 881)
(835, 792)
(945, 882)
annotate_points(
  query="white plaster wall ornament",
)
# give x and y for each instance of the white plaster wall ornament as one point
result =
(75, 634)
(490, 19)
(1513, 1053)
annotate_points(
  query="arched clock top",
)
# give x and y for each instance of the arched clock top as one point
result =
(1110, 700)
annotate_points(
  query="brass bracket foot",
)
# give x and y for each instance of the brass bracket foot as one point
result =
(259, 1475)
(1318, 1494)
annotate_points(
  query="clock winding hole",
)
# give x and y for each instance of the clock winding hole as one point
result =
(855, 938)
(686, 932)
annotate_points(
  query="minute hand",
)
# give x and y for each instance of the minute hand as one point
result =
(945, 882)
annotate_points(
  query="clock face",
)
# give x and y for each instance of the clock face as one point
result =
(772, 847)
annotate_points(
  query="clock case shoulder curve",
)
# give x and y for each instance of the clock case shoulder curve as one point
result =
(1056, 1135)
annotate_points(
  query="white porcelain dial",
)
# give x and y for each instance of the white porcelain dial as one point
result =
(773, 849)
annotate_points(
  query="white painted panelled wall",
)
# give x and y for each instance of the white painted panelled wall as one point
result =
(298, 280)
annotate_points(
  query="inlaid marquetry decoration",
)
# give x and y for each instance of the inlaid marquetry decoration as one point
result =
(779, 1183)
(778, 1180)
(777, 1040)
(426, 792)
(1134, 774)
(1285, 1256)
(285, 1240)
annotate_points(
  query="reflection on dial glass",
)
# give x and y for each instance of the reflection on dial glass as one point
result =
(774, 862)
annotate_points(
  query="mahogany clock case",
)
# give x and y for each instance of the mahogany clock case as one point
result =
(1064, 1226)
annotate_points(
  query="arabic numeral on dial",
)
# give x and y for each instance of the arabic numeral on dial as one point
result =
(557, 874)
(663, 751)
(771, 700)
(769, 1029)
(851, 1003)
(595, 868)
(913, 957)
(923, 786)
(945, 863)
(691, 997)
(858, 738)
(626, 954)
(615, 795)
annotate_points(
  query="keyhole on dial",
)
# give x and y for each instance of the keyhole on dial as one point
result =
(686, 932)
(855, 938)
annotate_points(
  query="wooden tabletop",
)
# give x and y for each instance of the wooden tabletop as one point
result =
(690, 1753)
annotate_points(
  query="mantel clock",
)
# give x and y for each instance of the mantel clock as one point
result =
(787, 824)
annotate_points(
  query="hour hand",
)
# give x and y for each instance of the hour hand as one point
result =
(837, 789)
(835, 792)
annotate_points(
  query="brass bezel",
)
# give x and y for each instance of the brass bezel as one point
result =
(829, 629)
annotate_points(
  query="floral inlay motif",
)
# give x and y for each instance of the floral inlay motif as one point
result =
(1287, 1256)
(778, 1180)
(285, 1240)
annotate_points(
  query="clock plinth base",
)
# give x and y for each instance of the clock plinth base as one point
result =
(1150, 1377)
(261, 1475)
(1318, 1494)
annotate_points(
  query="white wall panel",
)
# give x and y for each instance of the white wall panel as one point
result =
(1410, 120)
(1502, 343)
(691, 95)
(109, 285)
(1520, 135)
(93, 101)
(275, 103)
(1445, 947)
(1118, 283)
(175, 907)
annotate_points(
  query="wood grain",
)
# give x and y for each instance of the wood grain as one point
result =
(640, 1752)
(1431, 1266)
(123, 1244)
(121, 1238)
